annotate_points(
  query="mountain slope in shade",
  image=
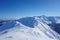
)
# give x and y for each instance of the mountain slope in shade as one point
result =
(30, 28)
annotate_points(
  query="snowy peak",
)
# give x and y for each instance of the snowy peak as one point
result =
(28, 21)
(31, 21)
(30, 28)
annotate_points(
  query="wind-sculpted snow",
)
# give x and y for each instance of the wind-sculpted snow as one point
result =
(29, 28)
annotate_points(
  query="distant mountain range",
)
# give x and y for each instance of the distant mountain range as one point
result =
(31, 28)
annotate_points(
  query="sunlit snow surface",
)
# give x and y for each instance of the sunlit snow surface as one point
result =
(21, 30)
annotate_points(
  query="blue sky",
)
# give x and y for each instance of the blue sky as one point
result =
(21, 8)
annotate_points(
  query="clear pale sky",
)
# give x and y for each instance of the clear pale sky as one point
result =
(21, 8)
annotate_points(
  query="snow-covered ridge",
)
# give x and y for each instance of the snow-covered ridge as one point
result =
(30, 28)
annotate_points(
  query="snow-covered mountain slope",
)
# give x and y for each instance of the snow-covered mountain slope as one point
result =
(7, 24)
(54, 19)
(29, 28)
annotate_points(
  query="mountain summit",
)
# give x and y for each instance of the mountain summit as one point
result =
(31, 28)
